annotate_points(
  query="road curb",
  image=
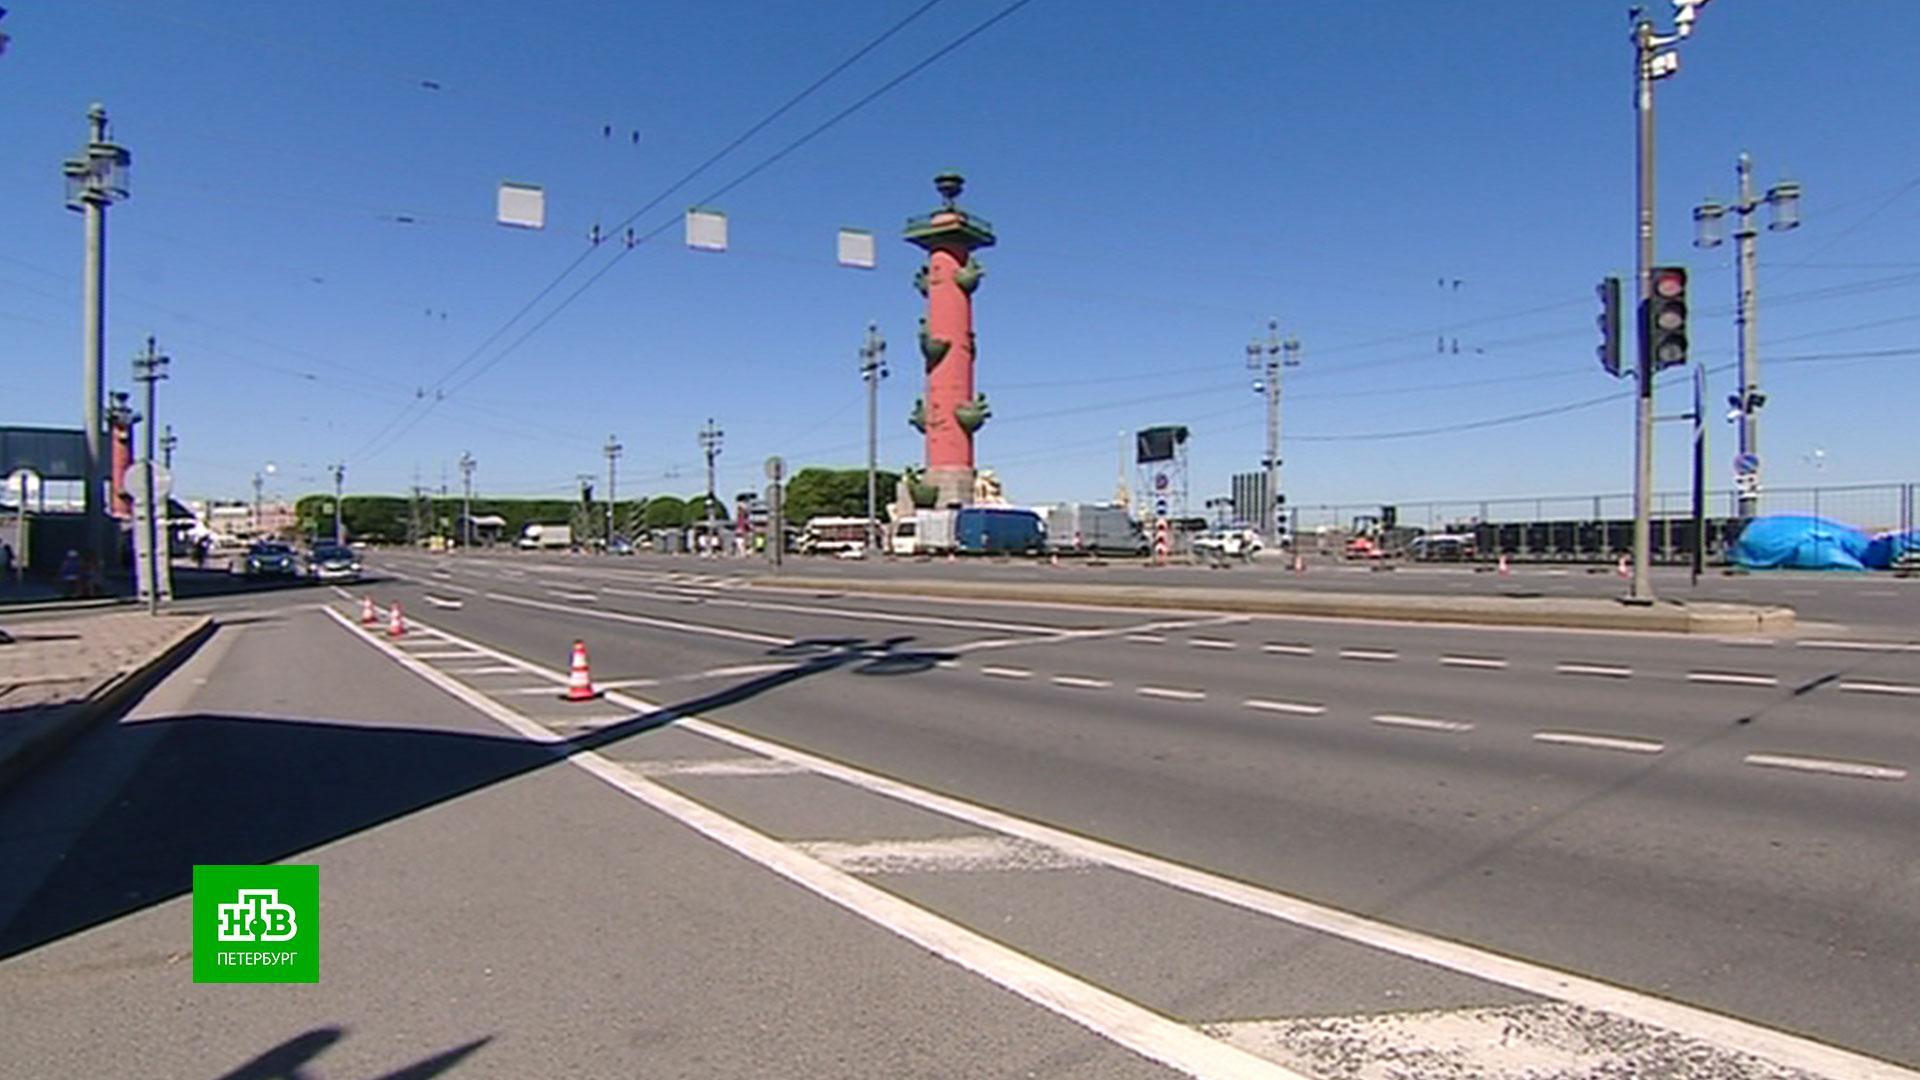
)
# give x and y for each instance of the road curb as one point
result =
(108, 697)
(1577, 613)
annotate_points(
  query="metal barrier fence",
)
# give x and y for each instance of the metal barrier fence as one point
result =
(1600, 526)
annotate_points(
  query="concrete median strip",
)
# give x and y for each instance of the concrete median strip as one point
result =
(1567, 612)
(53, 687)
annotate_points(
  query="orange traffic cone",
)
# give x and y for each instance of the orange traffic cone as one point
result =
(1299, 563)
(1626, 568)
(1505, 570)
(396, 621)
(579, 680)
(368, 617)
(1053, 560)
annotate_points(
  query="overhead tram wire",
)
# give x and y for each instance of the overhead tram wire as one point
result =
(765, 163)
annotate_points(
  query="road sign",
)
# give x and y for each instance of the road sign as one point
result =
(776, 468)
(24, 486)
(136, 482)
(1746, 464)
(1747, 483)
(1160, 508)
(1160, 481)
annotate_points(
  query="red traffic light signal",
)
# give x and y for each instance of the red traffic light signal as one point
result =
(1663, 319)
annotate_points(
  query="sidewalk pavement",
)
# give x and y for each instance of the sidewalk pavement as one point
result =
(59, 676)
(1575, 612)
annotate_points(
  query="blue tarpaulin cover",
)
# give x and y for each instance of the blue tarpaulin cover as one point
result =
(1791, 542)
(1887, 548)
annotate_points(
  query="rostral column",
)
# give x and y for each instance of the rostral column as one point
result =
(952, 410)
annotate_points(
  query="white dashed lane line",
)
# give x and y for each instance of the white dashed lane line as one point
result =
(1287, 648)
(1609, 671)
(1858, 770)
(1901, 689)
(1293, 708)
(1170, 693)
(1422, 723)
(1600, 742)
(1369, 654)
(1006, 672)
(1732, 678)
(1147, 639)
(1860, 646)
(1488, 662)
(1081, 682)
(577, 597)
(1213, 643)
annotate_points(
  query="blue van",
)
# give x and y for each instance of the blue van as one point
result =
(993, 530)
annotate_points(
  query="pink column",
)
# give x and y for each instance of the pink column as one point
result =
(952, 408)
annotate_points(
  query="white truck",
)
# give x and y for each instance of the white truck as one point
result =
(539, 537)
(1093, 529)
(927, 532)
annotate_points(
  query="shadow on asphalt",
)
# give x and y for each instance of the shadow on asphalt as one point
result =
(223, 789)
(288, 1060)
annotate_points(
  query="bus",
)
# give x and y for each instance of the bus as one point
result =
(833, 535)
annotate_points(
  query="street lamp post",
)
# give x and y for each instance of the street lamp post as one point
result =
(710, 438)
(873, 368)
(1270, 359)
(339, 487)
(167, 444)
(96, 178)
(1653, 59)
(613, 450)
(466, 499)
(1783, 202)
(150, 367)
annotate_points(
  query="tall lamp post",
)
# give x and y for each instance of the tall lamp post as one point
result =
(466, 499)
(1270, 359)
(150, 367)
(710, 439)
(96, 178)
(1783, 202)
(873, 368)
(1653, 59)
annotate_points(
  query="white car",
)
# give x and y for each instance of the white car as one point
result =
(1228, 543)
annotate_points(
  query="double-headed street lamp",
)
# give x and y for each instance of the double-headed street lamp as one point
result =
(96, 178)
(1783, 203)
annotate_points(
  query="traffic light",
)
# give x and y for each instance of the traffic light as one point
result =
(1609, 320)
(1663, 319)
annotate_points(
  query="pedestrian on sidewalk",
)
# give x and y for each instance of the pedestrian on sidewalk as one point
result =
(70, 574)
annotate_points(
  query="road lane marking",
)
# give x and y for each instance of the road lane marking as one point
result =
(1082, 682)
(1749, 643)
(1296, 708)
(1609, 671)
(1147, 639)
(1489, 662)
(1006, 672)
(1718, 1029)
(1902, 689)
(1213, 643)
(1287, 648)
(949, 663)
(444, 603)
(1112, 1017)
(1857, 769)
(1422, 723)
(737, 766)
(954, 854)
(1860, 646)
(1732, 678)
(629, 684)
(859, 614)
(490, 669)
(1600, 742)
(1171, 693)
(577, 597)
(646, 620)
(1369, 654)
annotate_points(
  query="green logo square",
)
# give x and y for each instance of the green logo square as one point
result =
(256, 924)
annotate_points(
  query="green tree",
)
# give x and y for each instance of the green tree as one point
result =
(818, 492)
(664, 512)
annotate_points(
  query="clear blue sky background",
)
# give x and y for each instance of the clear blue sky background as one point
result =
(1163, 177)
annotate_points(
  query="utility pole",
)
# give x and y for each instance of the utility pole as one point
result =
(1270, 359)
(259, 486)
(96, 179)
(1783, 200)
(150, 367)
(710, 438)
(339, 486)
(613, 450)
(167, 443)
(1650, 63)
(466, 499)
(873, 368)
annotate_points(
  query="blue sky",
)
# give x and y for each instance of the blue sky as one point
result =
(1163, 178)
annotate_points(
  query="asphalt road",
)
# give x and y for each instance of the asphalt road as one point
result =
(1470, 852)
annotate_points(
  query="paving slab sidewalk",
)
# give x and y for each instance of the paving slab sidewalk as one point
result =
(60, 676)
